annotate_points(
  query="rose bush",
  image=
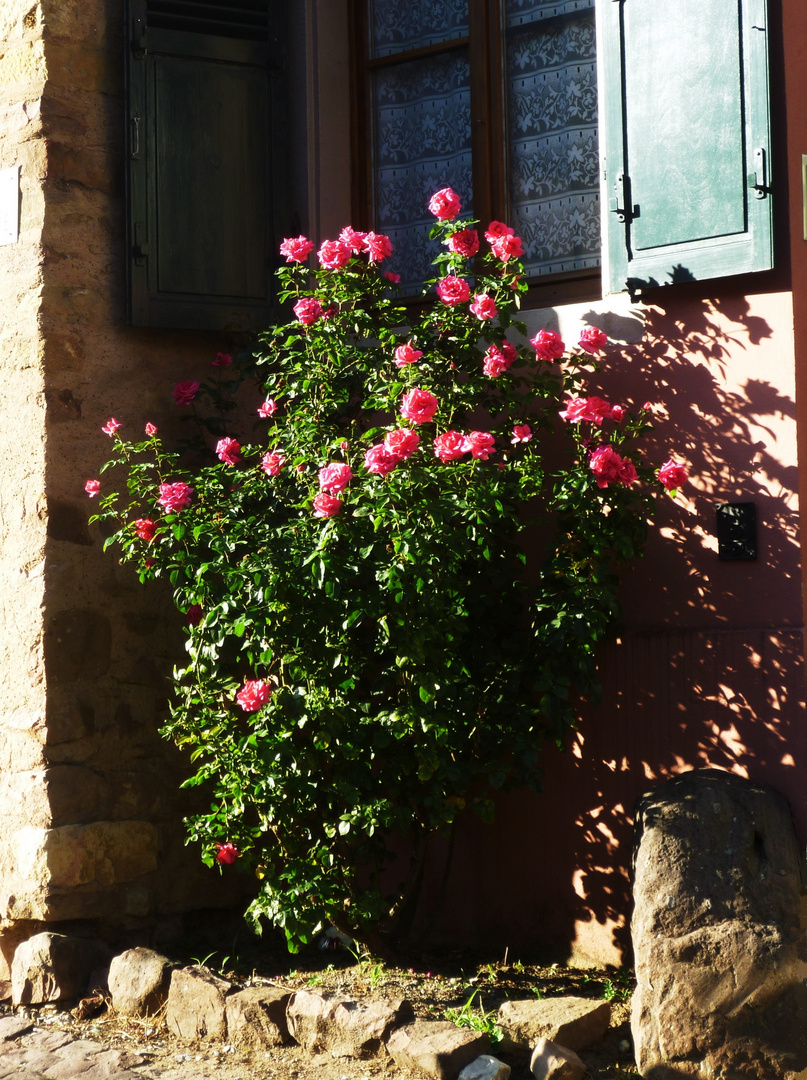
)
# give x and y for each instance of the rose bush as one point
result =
(368, 657)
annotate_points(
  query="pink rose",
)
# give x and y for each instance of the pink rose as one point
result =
(672, 475)
(406, 354)
(378, 246)
(145, 528)
(610, 467)
(617, 413)
(185, 392)
(548, 345)
(174, 497)
(269, 408)
(592, 340)
(223, 359)
(272, 462)
(453, 290)
(593, 409)
(228, 451)
(379, 461)
(390, 275)
(334, 478)
(484, 306)
(465, 242)
(151, 430)
(419, 406)
(111, 426)
(506, 247)
(353, 240)
(627, 473)
(333, 254)
(522, 433)
(498, 360)
(496, 230)
(226, 854)
(296, 248)
(308, 310)
(481, 444)
(193, 616)
(326, 506)
(92, 487)
(402, 443)
(253, 695)
(450, 446)
(445, 204)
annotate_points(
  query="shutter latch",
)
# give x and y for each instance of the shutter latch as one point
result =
(621, 203)
(758, 180)
(139, 38)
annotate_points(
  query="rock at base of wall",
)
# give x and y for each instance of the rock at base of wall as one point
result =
(138, 982)
(342, 1026)
(52, 967)
(551, 1061)
(436, 1047)
(486, 1067)
(716, 932)
(571, 1021)
(256, 1017)
(195, 1008)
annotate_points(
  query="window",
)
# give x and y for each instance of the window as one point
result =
(499, 100)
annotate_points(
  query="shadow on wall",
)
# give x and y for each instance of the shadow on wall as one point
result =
(707, 670)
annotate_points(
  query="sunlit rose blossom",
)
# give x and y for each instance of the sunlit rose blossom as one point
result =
(329, 311)
(522, 433)
(506, 247)
(272, 462)
(334, 478)
(592, 340)
(194, 614)
(406, 354)
(496, 230)
(151, 430)
(223, 359)
(402, 443)
(229, 451)
(379, 461)
(495, 363)
(296, 248)
(419, 406)
(445, 204)
(390, 275)
(592, 409)
(326, 506)
(378, 246)
(308, 310)
(672, 475)
(333, 254)
(269, 408)
(617, 413)
(548, 345)
(145, 528)
(484, 306)
(464, 242)
(111, 426)
(174, 497)
(610, 467)
(481, 444)
(92, 487)
(185, 392)
(450, 446)
(353, 239)
(253, 695)
(453, 290)
(226, 854)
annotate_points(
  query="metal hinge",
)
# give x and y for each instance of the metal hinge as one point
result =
(621, 203)
(138, 42)
(758, 180)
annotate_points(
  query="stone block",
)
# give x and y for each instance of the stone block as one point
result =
(342, 1026)
(52, 967)
(77, 646)
(138, 982)
(256, 1017)
(550, 1061)
(195, 1008)
(571, 1021)
(438, 1048)
(104, 852)
(486, 1067)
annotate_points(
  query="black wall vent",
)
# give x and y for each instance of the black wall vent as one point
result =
(245, 19)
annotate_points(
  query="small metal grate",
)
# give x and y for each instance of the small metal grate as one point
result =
(247, 19)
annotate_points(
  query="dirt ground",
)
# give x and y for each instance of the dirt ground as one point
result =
(471, 987)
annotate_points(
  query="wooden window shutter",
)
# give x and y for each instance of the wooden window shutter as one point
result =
(685, 130)
(201, 154)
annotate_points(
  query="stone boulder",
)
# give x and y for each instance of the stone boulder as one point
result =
(256, 1017)
(342, 1026)
(195, 1007)
(138, 982)
(436, 1047)
(716, 932)
(486, 1067)
(550, 1061)
(52, 967)
(574, 1022)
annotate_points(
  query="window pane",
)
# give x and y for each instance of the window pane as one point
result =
(422, 113)
(552, 133)
(396, 25)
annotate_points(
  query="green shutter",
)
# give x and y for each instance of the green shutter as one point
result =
(201, 242)
(685, 131)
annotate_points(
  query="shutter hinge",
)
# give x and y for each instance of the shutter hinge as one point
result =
(138, 41)
(621, 203)
(758, 180)
(134, 140)
(140, 250)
